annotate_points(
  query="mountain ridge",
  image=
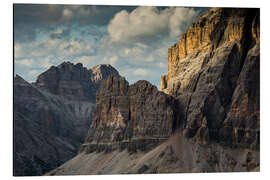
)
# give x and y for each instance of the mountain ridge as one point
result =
(133, 117)
(49, 123)
(213, 84)
(206, 118)
(73, 81)
(208, 67)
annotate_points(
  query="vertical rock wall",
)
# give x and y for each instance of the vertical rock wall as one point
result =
(212, 66)
(134, 117)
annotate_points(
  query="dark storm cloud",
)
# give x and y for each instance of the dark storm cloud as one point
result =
(37, 14)
(51, 14)
(30, 18)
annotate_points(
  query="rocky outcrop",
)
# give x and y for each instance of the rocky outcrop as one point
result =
(74, 82)
(52, 116)
(214, 73)
(242, 123)
(101, 72)
(134, 117)
(214, 28)
(211, 112)
(163, 82)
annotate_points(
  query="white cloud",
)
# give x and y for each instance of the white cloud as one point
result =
(56, 47)
(113, 60)
(141, 72)
(48, 61)
(133, 51)
(180, 19)
(67, 14)
(74, 47)
(24, 62)
(162, 51)
(161, 65)
(146, 23)
(150, 58)
(58, 31)
(87, 61)
(18, 51)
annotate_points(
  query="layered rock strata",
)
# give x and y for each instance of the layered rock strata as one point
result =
(214, 73)
(213, 83)
(52, 115)
(133, 117)
(47, 129)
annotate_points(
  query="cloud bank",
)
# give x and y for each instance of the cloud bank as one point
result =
(150, 23)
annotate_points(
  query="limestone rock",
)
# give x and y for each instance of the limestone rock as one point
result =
(52, 115)
(74, 82)
(133, 117)
(242, 124)
(101, 72)
(211, 112)
(163, 82)
(210, 70)
(47, 128)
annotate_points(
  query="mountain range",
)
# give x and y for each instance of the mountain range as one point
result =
(53, 114)
(204, 118)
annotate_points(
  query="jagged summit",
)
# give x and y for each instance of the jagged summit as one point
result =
(209, 117)
(99, 66)
(52, 116)
(74, 81)
(68, 63)
(133, 117)
(102, 71)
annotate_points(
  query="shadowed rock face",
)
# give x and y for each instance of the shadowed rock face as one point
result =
(214, 73)
(47, 128)
(133, 117)
(242, 123)
(52, 116)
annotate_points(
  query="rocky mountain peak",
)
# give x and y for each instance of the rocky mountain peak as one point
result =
(213, 29)
(52, 116)
(113, 85)
(67, 80)
(133, 117)
(102, 71)
(205, 119)
(205, 73)
(73, 81)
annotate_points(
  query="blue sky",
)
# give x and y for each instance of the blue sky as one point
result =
(133, 39)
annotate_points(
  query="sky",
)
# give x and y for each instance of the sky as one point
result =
(133, 39)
